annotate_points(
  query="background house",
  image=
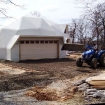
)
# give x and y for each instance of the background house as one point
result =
(31, 38)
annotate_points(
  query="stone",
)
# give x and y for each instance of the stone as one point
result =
(83, 87)
(79, 82)
(95, 93)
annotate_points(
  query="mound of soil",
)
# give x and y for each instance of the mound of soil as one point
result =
(57, 91)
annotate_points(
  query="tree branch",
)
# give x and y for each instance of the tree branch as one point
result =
(3, 10)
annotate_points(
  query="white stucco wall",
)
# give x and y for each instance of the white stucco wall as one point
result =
(3, 53)
(62, 53)
(5, 37)
(15, 53)
(13, 48)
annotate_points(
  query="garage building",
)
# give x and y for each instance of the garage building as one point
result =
(32, 38)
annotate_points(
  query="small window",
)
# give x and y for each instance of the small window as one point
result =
(32, 42)
(46, 41)
(50, 41)
(27, 42)
(21, 42)
(37, 42)
(55, 41)
(42, 41)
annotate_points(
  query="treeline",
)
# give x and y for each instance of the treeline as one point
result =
(91, 26)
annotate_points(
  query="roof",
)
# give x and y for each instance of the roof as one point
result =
(30, 26)
(62, 27)
(36, 25)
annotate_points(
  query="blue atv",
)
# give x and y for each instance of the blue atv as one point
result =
(92, 57)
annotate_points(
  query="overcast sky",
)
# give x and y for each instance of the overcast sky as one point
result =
(60, 11)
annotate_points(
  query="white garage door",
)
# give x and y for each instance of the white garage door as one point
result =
(30, 50)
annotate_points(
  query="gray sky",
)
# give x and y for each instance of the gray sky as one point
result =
(60, 11)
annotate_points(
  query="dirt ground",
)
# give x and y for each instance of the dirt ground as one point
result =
(15, 76)
(40, 73)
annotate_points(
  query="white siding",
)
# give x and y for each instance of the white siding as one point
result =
(3, 53)
(15, 53)
(62, 53)
(13, 49)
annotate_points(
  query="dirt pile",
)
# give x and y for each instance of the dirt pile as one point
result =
(53, 92)
(1, 73)
(41, 93)
(50, 94)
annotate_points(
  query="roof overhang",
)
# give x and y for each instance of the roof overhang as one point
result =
(73, 47)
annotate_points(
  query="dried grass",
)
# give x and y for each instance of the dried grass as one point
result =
(75, 56)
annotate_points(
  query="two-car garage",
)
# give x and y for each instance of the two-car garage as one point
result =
(38, 49)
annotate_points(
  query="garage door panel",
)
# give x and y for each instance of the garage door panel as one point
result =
(38, 51)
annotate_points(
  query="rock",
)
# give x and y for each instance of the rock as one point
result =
(83, 87)
(74, 89)
(95, 93)
(77, 83)
(90, 92)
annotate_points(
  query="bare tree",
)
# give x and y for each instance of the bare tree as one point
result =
(72, 30)
(36, 13)
(95, 17)
(94, 14)
(4, 10)
(78, 31)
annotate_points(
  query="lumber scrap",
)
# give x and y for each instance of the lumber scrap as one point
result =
(97, 81)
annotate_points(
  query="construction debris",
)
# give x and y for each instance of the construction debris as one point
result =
(93, 87)
(97, 81)
(95, 93)
(83, 87)
(64, 90)
(79, 82)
